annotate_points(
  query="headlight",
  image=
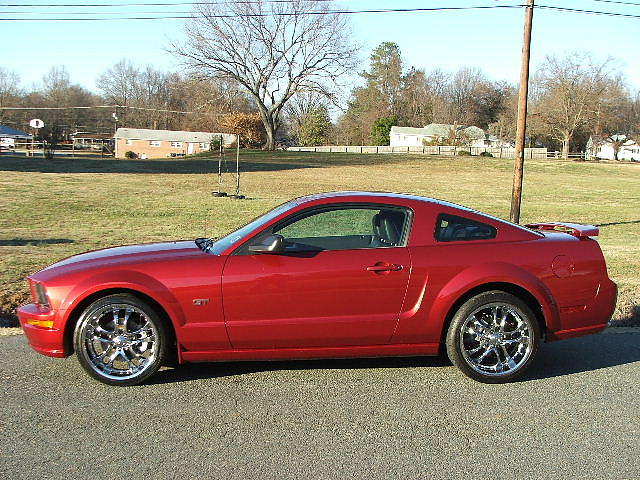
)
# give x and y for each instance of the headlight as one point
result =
(42, 301)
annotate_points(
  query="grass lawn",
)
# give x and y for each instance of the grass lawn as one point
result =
(50, 209)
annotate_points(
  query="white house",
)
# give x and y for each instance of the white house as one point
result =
(8, 137)
(441, 133)
(605, 148)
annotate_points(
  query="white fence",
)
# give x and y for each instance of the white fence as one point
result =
(498, 152)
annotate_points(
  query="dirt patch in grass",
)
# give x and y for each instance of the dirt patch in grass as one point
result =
(627, 312)
(9, 301)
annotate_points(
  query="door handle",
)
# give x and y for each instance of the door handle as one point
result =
(384, 267)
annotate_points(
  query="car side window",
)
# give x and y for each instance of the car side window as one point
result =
(345, 228)
(451, 228)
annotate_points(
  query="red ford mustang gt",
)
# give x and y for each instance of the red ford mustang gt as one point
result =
(346, 274)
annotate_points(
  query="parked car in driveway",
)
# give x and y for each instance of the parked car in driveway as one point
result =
(331, 275)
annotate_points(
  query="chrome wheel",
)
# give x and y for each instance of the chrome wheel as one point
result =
(493, 337)
(496, 339)
(120, 340)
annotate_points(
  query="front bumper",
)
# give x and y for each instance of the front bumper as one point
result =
(44, 340)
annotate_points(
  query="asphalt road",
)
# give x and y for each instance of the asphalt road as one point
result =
(577, 415)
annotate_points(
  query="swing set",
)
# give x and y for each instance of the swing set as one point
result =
(223, 160)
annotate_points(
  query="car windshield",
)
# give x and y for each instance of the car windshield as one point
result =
(220, 245)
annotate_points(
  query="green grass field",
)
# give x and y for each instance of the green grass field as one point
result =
(53, 209)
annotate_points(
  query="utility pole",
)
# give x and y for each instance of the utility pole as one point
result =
(516, 194)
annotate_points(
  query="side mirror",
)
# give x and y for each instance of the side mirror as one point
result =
(269, 244)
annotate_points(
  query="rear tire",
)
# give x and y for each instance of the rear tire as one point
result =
(493, 337)
(121, 340)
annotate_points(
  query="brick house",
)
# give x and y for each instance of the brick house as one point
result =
(148, 143)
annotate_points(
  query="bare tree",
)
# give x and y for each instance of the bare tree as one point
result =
(504, 125)
(437, 87)
(131, 86)
(415, 108)
(9, 91)
(210, 101)
(272, 49)
(570, 94)
(57, 91)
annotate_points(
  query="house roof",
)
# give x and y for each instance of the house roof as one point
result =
(168, 135)
(408, 130)
(474, 132)
(8, 132)
(438, 129)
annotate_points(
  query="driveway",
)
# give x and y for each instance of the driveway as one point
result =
(577, 415)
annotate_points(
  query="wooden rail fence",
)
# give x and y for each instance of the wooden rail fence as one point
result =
(498, 152)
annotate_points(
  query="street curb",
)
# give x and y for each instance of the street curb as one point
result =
(7, 331)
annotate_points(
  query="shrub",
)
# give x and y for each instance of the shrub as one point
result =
(314, 127)
(381, 130)
(464, 153)
(486, 154)
(214, 144)
(130, 154)
(248, 125)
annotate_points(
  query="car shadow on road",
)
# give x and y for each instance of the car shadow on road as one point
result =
(199, 371)
(584, 354)
(555, 359)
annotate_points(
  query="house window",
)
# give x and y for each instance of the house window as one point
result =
(176, 144)
(128, 141)
(204, 146)
(154, 143)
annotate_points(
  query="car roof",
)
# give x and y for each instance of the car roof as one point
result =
(389, 195)
(405, 196)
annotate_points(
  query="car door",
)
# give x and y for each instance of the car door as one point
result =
(341, 281)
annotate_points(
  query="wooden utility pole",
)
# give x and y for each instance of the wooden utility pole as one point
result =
(516, 194)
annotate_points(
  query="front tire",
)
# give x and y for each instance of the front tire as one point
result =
(493, 337)
(121, 340)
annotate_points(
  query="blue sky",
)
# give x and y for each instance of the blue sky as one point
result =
(488, 39)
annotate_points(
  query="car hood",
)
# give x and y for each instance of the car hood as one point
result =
(128, 254)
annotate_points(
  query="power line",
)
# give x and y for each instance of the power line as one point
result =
(146, 4)
(618, 2)
(149, 4)
(279, 14)
(188, 16)
(23, 12)
(100, 106)
(588, 12)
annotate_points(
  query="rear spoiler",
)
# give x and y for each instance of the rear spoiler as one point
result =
(575, 229)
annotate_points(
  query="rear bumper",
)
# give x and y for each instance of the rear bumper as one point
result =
(591, 318)
(44, 340)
